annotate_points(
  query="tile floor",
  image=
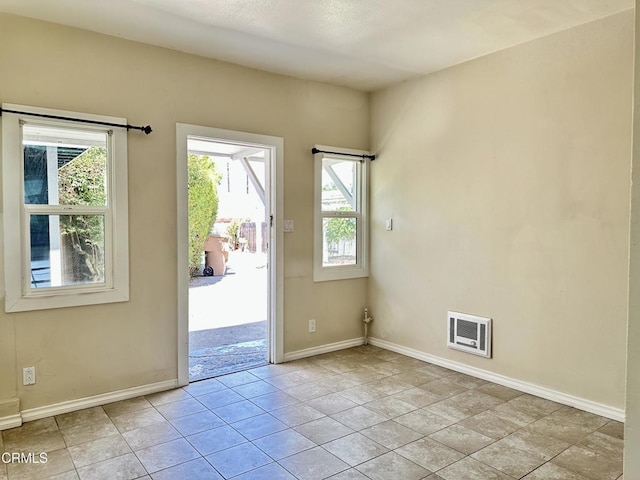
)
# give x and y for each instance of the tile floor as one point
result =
(362, 413)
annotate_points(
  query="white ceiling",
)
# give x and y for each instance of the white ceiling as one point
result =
(365, 44)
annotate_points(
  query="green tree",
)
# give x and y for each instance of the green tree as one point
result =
(340, 229)
(82, 182)
(203, 205)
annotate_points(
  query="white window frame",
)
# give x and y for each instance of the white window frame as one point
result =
(15, 229)
(361, 268)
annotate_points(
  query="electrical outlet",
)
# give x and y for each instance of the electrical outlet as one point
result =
(29, 375)
(312, 326)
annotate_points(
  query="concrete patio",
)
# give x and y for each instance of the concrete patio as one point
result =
(227, 318)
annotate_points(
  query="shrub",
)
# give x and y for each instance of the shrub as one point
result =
(203, 205)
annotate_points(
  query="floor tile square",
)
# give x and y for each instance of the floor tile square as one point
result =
(137, 419)
(549, 471)
(58, 462)
(98, 450)
(355, 449)
(220, 398)
(259, 426)
(590, 464)
(202, 387)
(282, 444)
(195, 469)
(308, 391)
(46, 441)
(168, 396)
(166, 455)
(390, 407)
(125, 467)
(323, 430)
(605, 444)
(181, 408)
(469, 468)
(237, 379)
(361, 394)
(418, 397)
(390, 386)
(255, 389)
(510, 460)
(462, 439)
(80, 417)
(239, 459)
(150, 435)
(392, 466)
(391, 434)
(332, 403)
(275, 400)
(614, 429)
(430, 454)
(423, 421)
(237, 411)
(197, 422)
(490, 425)
(359, 417)
(216, 439)
(88, 431)
(295, 415)
(313, 464)
(535, 443)
(272, 471)
(351, 474)
(122, 407)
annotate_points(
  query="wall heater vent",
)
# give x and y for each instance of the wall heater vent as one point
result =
(469, 333)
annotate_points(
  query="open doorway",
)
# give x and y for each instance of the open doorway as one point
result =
(228, 287)
(228, 315)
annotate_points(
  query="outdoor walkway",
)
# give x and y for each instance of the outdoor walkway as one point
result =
(227, 318)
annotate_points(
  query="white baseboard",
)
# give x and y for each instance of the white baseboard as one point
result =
(10, 421)
(543, 392)
(331, 347)
(95, 400)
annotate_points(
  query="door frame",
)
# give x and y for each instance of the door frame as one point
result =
(273, 209)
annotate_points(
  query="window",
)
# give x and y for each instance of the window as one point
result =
(65, 210)
(341, 228)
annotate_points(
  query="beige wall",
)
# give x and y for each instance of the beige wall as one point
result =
(508, 181)
(632, 424)
(85, 351)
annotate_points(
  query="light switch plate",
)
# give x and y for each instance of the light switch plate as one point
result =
(389, 224)
(288, 226)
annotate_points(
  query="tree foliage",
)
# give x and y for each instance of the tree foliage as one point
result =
(203, 205)
(83, 182)
(339, 229)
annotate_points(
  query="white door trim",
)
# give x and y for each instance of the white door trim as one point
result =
(275, 329)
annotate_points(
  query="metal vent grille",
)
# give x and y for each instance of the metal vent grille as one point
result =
(469, 333)
(467, 329)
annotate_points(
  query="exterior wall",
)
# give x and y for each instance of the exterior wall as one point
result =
(84, 351)
(508, 180)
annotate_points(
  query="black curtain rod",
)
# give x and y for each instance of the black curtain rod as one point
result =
(146, 129)
(314, 150)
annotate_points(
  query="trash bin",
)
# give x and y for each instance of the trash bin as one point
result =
(216, 255)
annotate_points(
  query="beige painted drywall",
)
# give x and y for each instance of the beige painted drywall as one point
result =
(507, 179)
(86, 351)
(632, 423)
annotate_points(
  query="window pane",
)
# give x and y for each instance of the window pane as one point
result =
(66, 250)
(339, 185)
(64, 167)
(339, 241)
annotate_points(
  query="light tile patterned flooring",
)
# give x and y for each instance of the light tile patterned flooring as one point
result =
(354, 414)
